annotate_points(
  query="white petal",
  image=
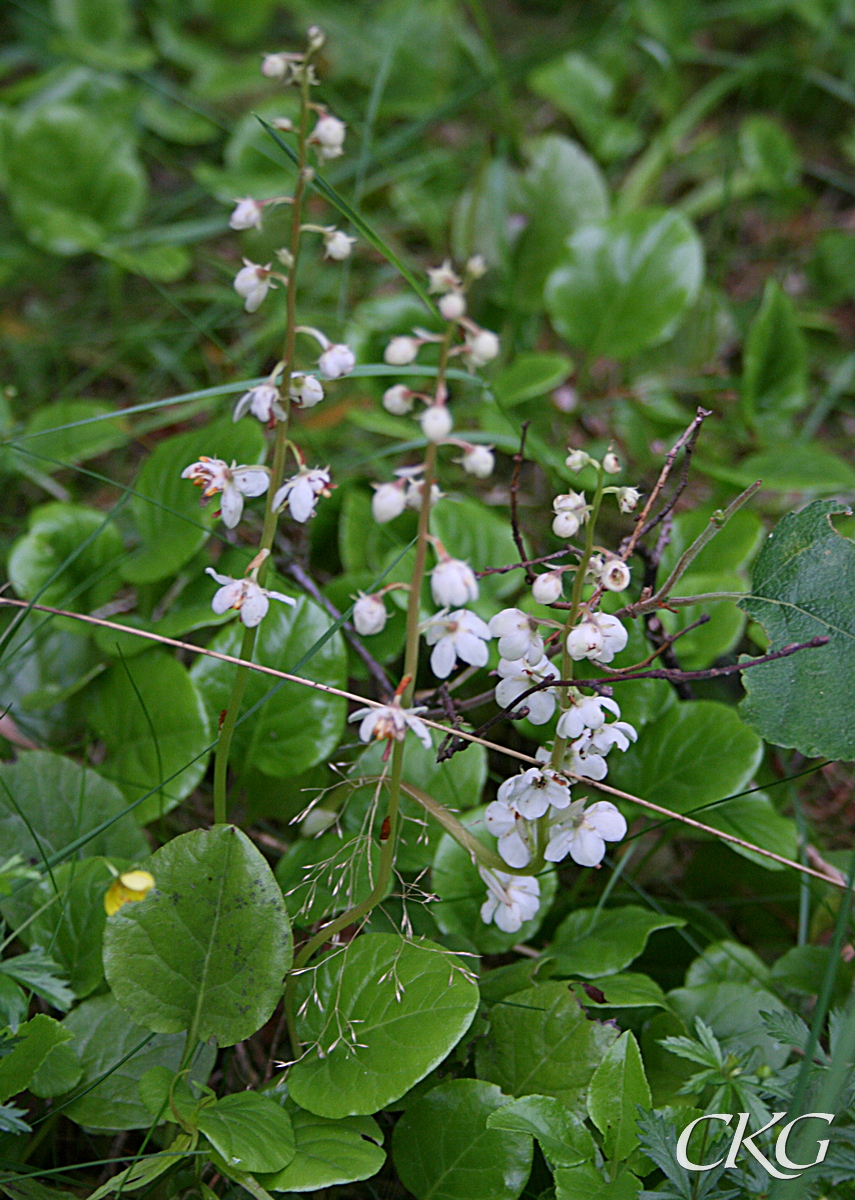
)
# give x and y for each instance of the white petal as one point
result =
(219, 578)
(541, 706)
(533, 803)
(499, 819)
(366, 729)
(508, 918)
(559, 844)
(507, 691)
(606, 820)
(227, 596)
(488, 908)
(420, 730)
(514, 850)
(570, 724)
(231, 506)
(255, 607)
(471, 649)
(587, 848)
(443, 658)
(242, 406)
(252, 481)
(281, 596)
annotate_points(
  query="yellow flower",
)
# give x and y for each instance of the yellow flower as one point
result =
(133, 885)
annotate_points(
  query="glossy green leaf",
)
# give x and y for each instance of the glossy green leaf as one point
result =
(542, 1043)
(755, 819)
(561, 1135)
(617, 1087)
(628, 283)
(727, 962)
(774, 377)
(406, 1005)
(166, 508)
(153, 722)
(701, 647)
(732, 548)
(734, 1013)
(530, 375)
(34, 1041)
(575, 85)
(43, 666)
(209, 947)
(329, 1153)
(591, 944)
(802, 587)
(587, 1183)
(250, 1131)
(44, 439)
(444, 1149)
(323, 876)
(57, 533)
(476, 533)
(794, 467)
(164, 264)
(298, 726)
(629, 989)
(59, 1073)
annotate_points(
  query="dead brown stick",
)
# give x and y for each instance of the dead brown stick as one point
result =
(515, 487)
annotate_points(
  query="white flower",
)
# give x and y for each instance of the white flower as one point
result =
(391, 721)
(547, 588)
(615, 638)
(452, 306)
(582, 759)
(627, 498)
(453, 583)
(249, 598)
(509, 826)
(263, 401)
(234, 482)
(517, 676)
(585, 641)
(476, 267)
(444, 278)
(398, 400)
(517, 634)
(337, 244)
(247, 214)
(328, 136)
(618, 733)
(615, 575)
(388, 502)
(571, 512)
(478, 461)
(401, 351)
(415, 491)
(369, 615)
(253, 282)
(336, 361)
(511, 899)
(611, 464)
(585, 712)
(305, 390)
(577, 459)
(481, 347)
(583, 833)
(275, 66)
(456, 635)
(436, 422)
(534, 791)
(302, 491)
(599, 639)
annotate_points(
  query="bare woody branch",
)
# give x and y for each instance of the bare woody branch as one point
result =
(519, 458)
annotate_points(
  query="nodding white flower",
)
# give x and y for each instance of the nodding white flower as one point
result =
(534, 791)
(283, 124)
(263, 401)
(627, 498)
(369, 615)
(444, 278)
(571, 512)
(336, 361)
(453, 583)
(305, 390)
(452, 306)
(514, 835)
(476, 266)
(253, 282)
(436, 422)
(401, 351)
(398, 400)
(615, 575)
(581, 758)
(577, 459)
(391, 721)
(585, 712)
(547, 588)
(247, 214)
(611, 464)
(415, 491)
(456, 635)
(481, 347)
(618, 733)
(250, 599)
(478, 461)
(234, 482)
(599, 639)
(275, 66)
(388, 502)
(583, 833)
(517, 634)
(328, 136)
(337, 244)
(517, 676)
(302, 491)
(511, 899)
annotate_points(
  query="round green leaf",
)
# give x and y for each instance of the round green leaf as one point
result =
(378, 1016)
(209, 946)
(70, 557)
(628, 283)
(444, 1149)
(251, 1132)
(530, 375)
(103, 1036)
(329, 1153)
(298, 726)
(323, 876)
(592, 943)
(45, 439)
(153, 722)
(775, 372)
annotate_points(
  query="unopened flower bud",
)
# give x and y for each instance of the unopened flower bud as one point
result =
(476, 267)
(616, 575)
(611, 465)
(479, 461)
(336, 361)
(283, 124)
(576, 460)
(252, 282)
(627, 498)
(369, 615)
(565, 525)
(482, 348)
(306, 391)
(316, 37)
(337, 245)
(387, 503)
(328, 135)
(401, 351)
(247, 214)
(274, 66)
(415, 491)
(398, 400)
(436, 422)
(452, 306)
(547, 588)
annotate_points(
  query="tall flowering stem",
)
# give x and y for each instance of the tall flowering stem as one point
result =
(280, 449)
